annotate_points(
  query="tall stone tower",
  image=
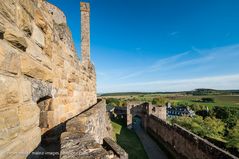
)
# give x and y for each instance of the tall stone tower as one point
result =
(85, 32)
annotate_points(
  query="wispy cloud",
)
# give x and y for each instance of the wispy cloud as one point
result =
(174, 33)
(169, 61)
(191, 58)
(155, 66)
(214, 82)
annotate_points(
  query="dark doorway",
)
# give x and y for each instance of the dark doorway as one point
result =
(136, 122)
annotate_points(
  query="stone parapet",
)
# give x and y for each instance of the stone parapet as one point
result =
(86, 133)
(94, 121)
(184, 143)
(76, 145)
(109, 144)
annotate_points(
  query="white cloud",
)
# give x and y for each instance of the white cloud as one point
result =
(201, 57)
(156, 66)
(214, 82)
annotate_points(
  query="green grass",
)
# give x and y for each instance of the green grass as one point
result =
(128, 140)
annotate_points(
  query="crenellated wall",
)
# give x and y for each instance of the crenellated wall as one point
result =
(42, 81)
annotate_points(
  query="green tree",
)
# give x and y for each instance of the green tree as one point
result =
(113, 101)
(229, 115)
(208, 100)
(122, 103)
(209, 127)
(214, 128)
(159, 101)
(233, 137)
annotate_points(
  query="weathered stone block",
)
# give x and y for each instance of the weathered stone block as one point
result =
(59, 61)
(9, 59)
(9, 124)
(80, 146)
(110, 144)
(32, 68)
(11, 148)
(58, 15)
(8, 10)
(26, 89)
(29, 140)
(28, 116)
(24, 20)
(9, 92)
(21, 146)
(38, 36)
(49, 42)
(29, 6)
(40, 89)
(15, 38)
(40, 20)
(93, 121)
(73, 77)
(36, 52)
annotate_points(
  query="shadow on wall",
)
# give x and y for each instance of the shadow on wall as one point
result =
(128, 140)
(49, 148)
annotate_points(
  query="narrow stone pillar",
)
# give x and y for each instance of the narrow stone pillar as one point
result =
(85, 32)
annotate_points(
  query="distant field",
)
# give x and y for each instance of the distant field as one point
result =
(220, 100)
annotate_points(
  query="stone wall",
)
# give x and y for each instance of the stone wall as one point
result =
(143, 110)
(94, 121)
(88, 136)
(158, 111)
(184, 143)
(41, 79)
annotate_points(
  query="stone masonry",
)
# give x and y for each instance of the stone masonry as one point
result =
(42, 81)
(88, 136)
(143, 110)
(85, 33)
(183, 143)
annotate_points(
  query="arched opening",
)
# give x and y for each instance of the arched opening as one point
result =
(136, 122)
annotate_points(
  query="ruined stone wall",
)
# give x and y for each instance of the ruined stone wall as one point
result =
(143, 110)
(42, 82)
(158, 111)
(184, 143)
(135, 108)
(94, 121)
(85, 134)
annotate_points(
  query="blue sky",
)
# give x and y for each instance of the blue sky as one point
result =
(161, 45)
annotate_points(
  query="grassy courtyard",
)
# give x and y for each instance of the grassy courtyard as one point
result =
(128, 140)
